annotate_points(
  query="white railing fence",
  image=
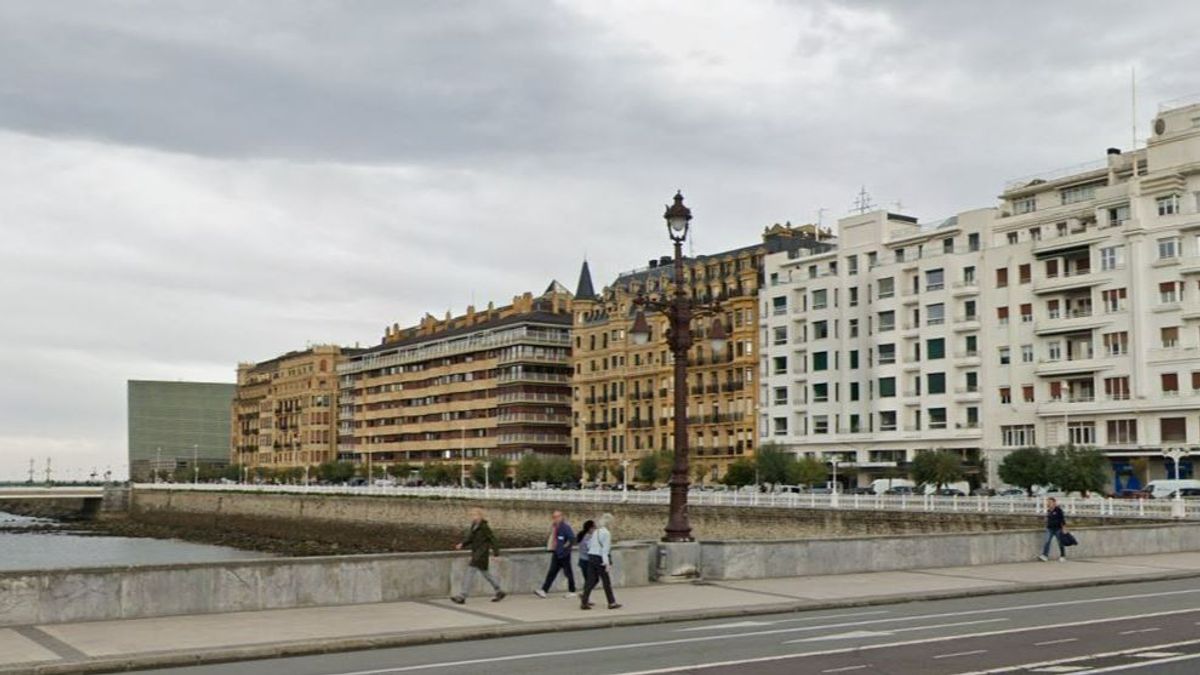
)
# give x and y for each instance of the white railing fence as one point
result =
(1095, 507)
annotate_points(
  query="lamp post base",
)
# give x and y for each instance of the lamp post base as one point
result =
(678, 560)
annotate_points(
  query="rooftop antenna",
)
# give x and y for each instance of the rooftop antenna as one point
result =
(862, 203)
(1133, 116)
(821, 216)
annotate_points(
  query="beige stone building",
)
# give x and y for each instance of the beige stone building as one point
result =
(623, 394)
(285, 409)
(483, 384)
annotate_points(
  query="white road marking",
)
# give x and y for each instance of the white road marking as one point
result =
(1055, 642)
(1155, 655)
(958, 654)
(867, 633)
(1084, 657)
(1143, 664)
(846, 669)
(1139, 630)
(1059, 669)
(753, 624)
(779, 631)
(907, 643)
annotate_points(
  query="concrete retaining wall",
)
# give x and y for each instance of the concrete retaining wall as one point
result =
(32, 597)
(763, 559)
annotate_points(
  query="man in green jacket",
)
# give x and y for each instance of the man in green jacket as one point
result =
(480, 541)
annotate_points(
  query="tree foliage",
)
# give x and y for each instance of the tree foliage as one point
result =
(739, 473)
(774, 464)
(1025, 468)
(937, 468)
(1076, 469)
(807, 471)
(529, 469)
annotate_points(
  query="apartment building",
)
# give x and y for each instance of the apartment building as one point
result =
(1069, 314)
(622, 402)
(285, 409)
(485, 383)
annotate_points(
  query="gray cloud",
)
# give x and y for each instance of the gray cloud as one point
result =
(184, 185)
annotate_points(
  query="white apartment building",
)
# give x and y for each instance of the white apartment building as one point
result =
(1068, 314)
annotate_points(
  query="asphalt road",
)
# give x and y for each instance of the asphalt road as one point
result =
(1139, 628)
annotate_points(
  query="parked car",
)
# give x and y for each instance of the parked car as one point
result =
(1186, 493)
(1011, 492)
(950, 492)
(906, 490)
(860, 491)
(1163, 488)
(1134, 494)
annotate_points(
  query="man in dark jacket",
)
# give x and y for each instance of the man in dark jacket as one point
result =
(560, 543)
(1056, 523)
(481, 542)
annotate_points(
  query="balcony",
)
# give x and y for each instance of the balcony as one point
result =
(534, 377)
(532, 397)
(1052, 367)
(1073, 321)
(967, 358)
(964, 288)
(1189, 264)
(506, 418)
(1173, 355)
(965, 324)
(1070, 282)
(534, 439)
(967, 394)
(1081, 236)
(552, 359)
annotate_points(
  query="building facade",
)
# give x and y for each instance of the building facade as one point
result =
(483, 384)
(285, 410)
(174, 425)
(622, 403)
(1070, 314)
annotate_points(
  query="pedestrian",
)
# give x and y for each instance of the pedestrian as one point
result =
(585, 541)
(599, 561)
(560, 544)
(1056, 523)
(481, 542)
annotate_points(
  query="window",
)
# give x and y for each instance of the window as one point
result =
(971, 343)
(887, 420)
(1005, 395)
(1078, 193)
(1169, 292)
(820, 392)
(969, 276)
(1122, 431)
(1052, 268)
(1081, 433)
(820, 424)
(1035, 233)
(1170, 384)
(854, 296)
(820, 361)
(1002, 277)
(1117, 215)
(886, 287)
(899, 255)
(1168, 205)
(1168, 247)
(1026, 353)
(1116, 388)
(853, 359)
(1027, 393)
(935, 280)
(1025, 272)
(937, 418)
(779, 365)
(1111, 257)
(887, 387)
(1005, 356)
(820, 299)
(887, 321)
(935, 383)
(973, 241)
(820, 330)
(852, 264)
(971, 379)
(1012, 237)
(1017, 436)
(969, 310)
(779, 305)
(935, 348)
(1026, 205)
(781, 396)
(1002, 316)
(780, 426)
(935, 314)
(1114, 300)
(1026, 313)
(1172, 429)
(853, 391)
(1116, 344)
(779, 335)
(948, 245)
(1170, 336)
(1054, 350)
(1196, 380)
(853, 327)
(887, 354)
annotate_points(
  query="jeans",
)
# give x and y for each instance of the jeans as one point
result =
(597, 572)
(556, 564)
(469, 576)
(1054, 534)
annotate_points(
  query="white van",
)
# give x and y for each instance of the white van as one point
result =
(1161, 489)
(882, 485)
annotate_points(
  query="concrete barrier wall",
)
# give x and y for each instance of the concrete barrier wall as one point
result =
(93, 594)
(764, 559)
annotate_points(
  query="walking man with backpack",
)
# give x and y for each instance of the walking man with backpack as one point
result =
(560, 544)
(1056, 523)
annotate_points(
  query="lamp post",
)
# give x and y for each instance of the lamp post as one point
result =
(625, 480)
(833, 496)
(195, 464)
(1176, 454)
(679, 311)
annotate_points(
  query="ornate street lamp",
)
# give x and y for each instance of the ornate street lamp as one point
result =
(679, 310)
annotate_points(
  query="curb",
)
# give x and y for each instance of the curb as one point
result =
(175, 659)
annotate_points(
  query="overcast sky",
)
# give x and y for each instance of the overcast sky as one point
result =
(184, 185)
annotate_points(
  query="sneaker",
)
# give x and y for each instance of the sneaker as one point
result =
(500, 595)
(1043, 558)
(458, 600)
(1063, 559)
(586, 605)
(570, 595)
(540, 593)
(614, 605)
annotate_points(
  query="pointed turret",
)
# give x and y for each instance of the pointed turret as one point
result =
(584, 290)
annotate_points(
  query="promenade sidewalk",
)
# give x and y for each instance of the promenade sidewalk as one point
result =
(103, 646)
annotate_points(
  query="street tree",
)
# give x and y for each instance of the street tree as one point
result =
(807, 471)
(1078, 469)
(740, 473)
(774, 463)
(1025, 468)
(937, 468)
(529, 469)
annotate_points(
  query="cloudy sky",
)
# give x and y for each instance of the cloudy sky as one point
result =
(184, 185)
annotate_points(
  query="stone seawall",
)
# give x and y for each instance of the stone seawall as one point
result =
(383, 519)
